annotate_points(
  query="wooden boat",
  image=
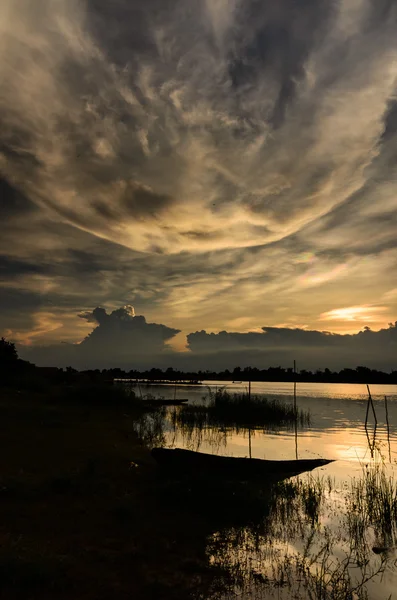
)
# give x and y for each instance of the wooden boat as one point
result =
(165, 401)
(194, 463)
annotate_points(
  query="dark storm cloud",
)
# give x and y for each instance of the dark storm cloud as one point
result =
(279, 337)
(119, 337)
(128, 341)
(314, 348)
(123, 332)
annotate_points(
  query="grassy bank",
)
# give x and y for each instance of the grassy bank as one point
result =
(83, 512)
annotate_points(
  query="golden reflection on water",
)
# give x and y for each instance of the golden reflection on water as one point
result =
(337, 429)
(275, 554)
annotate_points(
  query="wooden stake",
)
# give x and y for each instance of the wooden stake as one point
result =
(370, 401)
(249, 430)
(388, 428)
(371, 445)
(295, 387)
(296, 414)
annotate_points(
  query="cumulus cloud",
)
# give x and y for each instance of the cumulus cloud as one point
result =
(119, 338)
(121, 332)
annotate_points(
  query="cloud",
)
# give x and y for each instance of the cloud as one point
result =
(123, 332)
(216, 162)
(118, 338)
(121, 339)
(124, 335)
(353, 313)
(259, 119)
(312, 349)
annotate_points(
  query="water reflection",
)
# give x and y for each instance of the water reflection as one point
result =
(337, 421)
(224, 415)
(328, 535)
(316, 541)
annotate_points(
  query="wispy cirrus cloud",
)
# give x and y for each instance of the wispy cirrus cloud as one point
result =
(207, 160)
(257, 120)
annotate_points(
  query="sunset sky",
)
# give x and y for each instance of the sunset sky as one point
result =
(216, 164)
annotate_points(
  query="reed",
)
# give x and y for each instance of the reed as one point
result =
(239, 411)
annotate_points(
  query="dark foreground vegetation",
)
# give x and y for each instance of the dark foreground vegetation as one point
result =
(84, 514)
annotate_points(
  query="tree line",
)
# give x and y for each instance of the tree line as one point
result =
(358, 375)
(9, 361)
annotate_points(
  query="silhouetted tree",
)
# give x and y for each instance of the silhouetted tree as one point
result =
(8, 353)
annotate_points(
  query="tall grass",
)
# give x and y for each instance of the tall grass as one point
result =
(372, 502)
(239, 411)
(223, 414)
(306, 553)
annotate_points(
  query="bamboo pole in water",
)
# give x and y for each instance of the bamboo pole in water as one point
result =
(296, 414)
(371, 444)
(249, 430)
(370, 402)
(388, 428)
(295, 387)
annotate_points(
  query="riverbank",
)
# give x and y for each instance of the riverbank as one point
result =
(83, 510)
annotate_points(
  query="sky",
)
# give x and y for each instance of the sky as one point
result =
(187, 166)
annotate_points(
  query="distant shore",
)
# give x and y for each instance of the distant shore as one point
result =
(388, 380)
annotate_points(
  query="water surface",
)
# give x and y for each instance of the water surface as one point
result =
(337, 431)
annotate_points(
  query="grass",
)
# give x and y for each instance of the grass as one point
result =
(294, 496)
(333, 563)
(372, 503)
(239, 411)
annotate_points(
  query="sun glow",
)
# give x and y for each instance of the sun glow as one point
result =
(355, 313)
